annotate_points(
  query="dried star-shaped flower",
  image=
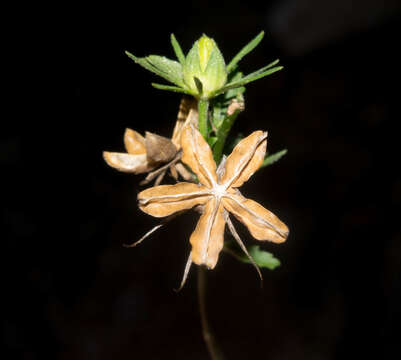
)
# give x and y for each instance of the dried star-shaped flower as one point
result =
(217, 194)
(155, 154)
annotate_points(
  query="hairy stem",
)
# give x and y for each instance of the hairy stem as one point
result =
(214, 350)
(203, 109)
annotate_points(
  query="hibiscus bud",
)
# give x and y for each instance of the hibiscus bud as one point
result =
(204, 70)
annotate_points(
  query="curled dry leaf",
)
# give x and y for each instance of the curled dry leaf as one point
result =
(155, 154)
(217, 195)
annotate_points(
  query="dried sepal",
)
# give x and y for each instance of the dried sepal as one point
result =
(159, 149)
(136, 164)
(245, 159)
(261, 223)
(207, 240)
(135, 160)
(198, 156)
(134, 142)
(153, 153)
(163, 200)
(187, 114)
(215, 196)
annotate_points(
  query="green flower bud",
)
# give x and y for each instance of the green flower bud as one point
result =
(205, 63)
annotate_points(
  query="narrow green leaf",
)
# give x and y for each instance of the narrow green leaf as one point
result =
(257, 72)
(171, 88)
(172, 69)
(144, 62)
(177, 49)
(271, 159)
(244, 51)
(247, 79)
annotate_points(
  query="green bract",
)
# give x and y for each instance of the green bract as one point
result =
(203, 72)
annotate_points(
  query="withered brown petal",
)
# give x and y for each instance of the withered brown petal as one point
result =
(187, 113)
(208, 237)
(134, 142)
(164, 200)
(245, 159)
(136, 164)
(261, 223)
(159, 149)
(198, 156)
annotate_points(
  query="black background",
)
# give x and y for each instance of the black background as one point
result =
(72, 291)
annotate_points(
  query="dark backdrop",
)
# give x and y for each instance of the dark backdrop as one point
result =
(72, 291)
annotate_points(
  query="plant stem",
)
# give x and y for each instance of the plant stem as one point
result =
(222, 134)
(203, 109)
(214, 350)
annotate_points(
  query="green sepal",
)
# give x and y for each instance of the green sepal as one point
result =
(244, 51)
(213, 76)
(191, 67)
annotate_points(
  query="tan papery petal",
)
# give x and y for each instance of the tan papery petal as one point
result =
(262, 223)
(134, 142)
(136, 164)
(198, 156)
(159, 149)
(245, 159)
(165, 200)
(208, 237)
(187, 113)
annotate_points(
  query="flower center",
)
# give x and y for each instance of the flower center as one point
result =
(219, 190)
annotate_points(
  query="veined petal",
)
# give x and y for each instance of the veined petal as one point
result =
(165, 200)
(136, 164)
(208, 237)
(134, 142)
(262, 223)
(198, 156)
(245, 159)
